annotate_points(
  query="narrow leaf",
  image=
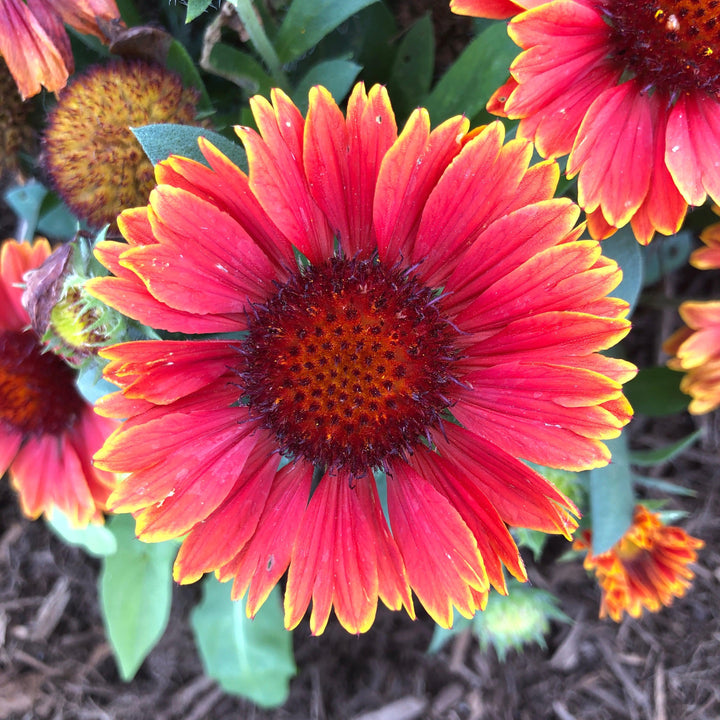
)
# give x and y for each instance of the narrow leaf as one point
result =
(180, 61)
(645, 458)
(135, 594)
(474, 76)
(336, 75)
(611, 498)
(252, 658)
(411, 73)
(240, 68)
(162, 140)
(309, 21)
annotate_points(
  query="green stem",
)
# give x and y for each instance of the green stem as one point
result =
(260, 41)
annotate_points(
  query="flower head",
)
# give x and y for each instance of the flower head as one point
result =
(443, 320)
(696, 347)
(48, 433)
(94, 161)
(34, 42)
(646, 568)
(630, 90)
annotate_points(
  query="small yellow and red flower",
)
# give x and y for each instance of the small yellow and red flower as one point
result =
(93, 159)
(48, 432)
(35, 44)
(695, 349)
(442, 320)
(646, 568)
(631, 91)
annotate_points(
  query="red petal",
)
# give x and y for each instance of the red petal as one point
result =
(266, 556)
(131, 298)
(30, 53)
(505, 245)
(613, 153)
(522, 497)
(440, 553)
(549, 415)
(219, 538)
(342, 160)
(692, 146)
(332, 560)
(409, 172)
(277, 178)
(462, 490)
(163, 371)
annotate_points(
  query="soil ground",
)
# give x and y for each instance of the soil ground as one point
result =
(55, 663)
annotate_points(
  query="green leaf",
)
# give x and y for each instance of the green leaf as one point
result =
(663, 486)
(129, 13)
(25, 201)
(95, 539)
(655, 392)
(180, 62)
(252, 658)
(665, 254)
(411, 73)
(240, 68)
(162, 140)
(336, 75)
(611, 498)
(645, 458)
(195, 8)
(56, 220)
(135, 594)
(474, 76)
(625, 250)
(309, 21)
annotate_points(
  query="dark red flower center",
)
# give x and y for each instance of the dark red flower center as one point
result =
(671, 45)
(349, 364)
(37, 389)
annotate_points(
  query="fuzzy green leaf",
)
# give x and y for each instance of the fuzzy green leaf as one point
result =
(474, 76)
(162, 140)
(252, 658)
(135, 594)
(309, 21)
(195, 8)
(611, 498)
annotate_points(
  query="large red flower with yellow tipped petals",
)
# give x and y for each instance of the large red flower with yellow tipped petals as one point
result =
(443, 320)
(35, 45)
(646, 568)
(696, 347)
(631, 90)
(48, 433)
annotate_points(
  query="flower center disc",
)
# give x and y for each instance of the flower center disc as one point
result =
(348, 364)
(674, 46)
(37, 389)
